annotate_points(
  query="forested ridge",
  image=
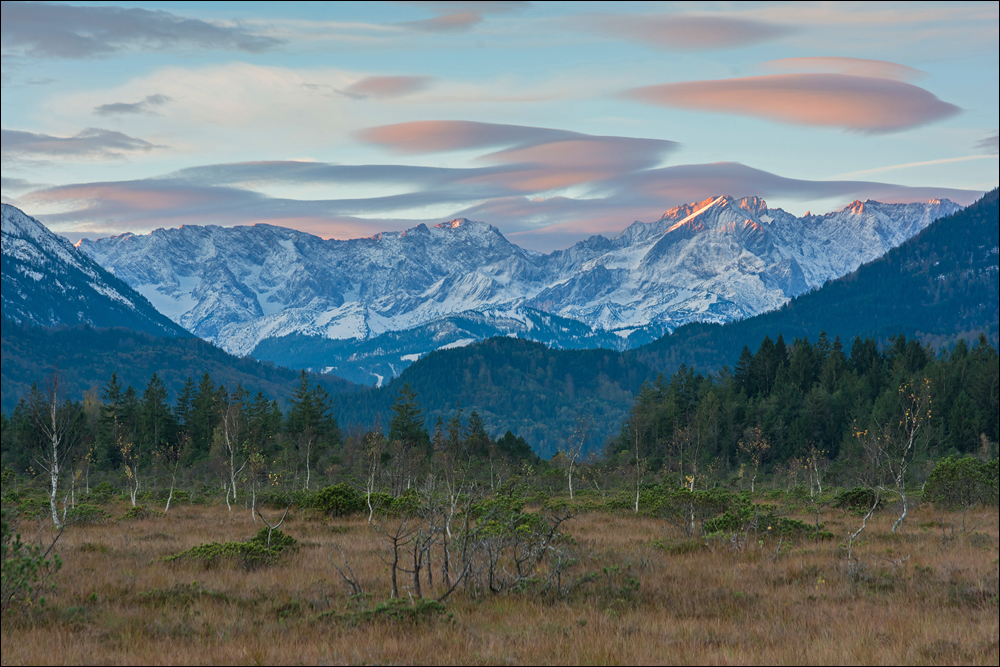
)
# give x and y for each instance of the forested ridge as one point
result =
(86, 357)
(777, 408)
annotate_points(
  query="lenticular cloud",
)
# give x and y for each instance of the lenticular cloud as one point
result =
(859, 103)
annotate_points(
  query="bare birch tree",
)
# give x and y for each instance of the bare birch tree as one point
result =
(574, 447)
(54, 423)
(232, 430)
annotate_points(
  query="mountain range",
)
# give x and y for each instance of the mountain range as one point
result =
(366, 308)
(940, 285)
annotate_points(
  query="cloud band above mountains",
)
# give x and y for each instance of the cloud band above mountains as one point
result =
(224, 194)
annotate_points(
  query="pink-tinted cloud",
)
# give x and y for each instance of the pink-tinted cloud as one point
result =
(458, 16)
(882, 69)
(684, 33)
(863, 104)
(539, 159)
(387, 87)
(435, 136)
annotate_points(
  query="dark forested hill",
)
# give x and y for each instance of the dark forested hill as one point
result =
(536, 392)
(940, 286)
(86, 357)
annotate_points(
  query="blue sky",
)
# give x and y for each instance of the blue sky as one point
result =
(552, 121)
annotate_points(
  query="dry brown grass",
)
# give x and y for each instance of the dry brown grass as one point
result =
(117, 602)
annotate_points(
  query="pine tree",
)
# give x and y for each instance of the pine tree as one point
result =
(407, 425)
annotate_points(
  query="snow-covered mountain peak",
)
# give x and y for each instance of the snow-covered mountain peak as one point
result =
(49, 282)
(456, 223)
(755, 205)
(857, 207)
(678, 213)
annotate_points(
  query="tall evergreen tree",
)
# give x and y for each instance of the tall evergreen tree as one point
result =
(407, 424)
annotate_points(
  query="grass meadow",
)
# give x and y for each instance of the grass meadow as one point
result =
(642, 593)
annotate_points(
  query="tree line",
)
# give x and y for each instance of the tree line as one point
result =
(788, 414)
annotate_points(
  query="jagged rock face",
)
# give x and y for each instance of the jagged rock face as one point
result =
(713, 260)
(47, 282)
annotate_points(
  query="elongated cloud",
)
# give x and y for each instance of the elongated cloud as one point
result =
(458, 16)
(684, 33)
(64, 31)
(387, 87)
(541, 159)
(142, 107)
(90, 143)
(863, 104)
(854, 66)
(990, 145)
(438, 136)
(457, 22)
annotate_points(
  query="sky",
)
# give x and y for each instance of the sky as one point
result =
(550, 121)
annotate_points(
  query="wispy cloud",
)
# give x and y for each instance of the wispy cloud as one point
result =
(860, 103)
(678, 32)
(12, 185)
(141, 107)
(88, 144)
(45, 30)
(925, 163)
(990, 145)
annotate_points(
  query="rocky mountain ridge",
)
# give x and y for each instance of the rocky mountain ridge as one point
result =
(715, 260)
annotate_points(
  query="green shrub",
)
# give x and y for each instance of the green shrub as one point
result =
(24, 569)
(858, 500)
(103, 492)
(381, 502)
(961, 482)
(138, 512)
(339, 500)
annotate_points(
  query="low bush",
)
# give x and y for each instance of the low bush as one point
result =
(857, 500)
(24, 570)
(250, 554)
(138, 512)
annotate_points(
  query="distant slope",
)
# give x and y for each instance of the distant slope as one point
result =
(376, 360)
(86, 357)
(941, 285)
(48, 282)
(514, 384)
